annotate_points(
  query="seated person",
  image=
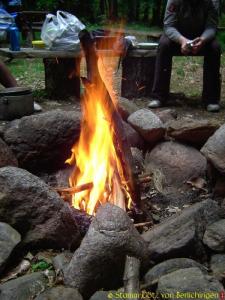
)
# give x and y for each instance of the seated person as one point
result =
(189, 29)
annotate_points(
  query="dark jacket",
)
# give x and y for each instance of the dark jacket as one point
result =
(191, 19)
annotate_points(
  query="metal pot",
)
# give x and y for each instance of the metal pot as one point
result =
(15, 103)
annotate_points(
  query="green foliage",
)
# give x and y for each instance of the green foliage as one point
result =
(40, 266)
(46, 4)
(221, 37)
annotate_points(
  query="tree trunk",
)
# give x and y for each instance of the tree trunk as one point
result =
(113, 10)
(156, 12)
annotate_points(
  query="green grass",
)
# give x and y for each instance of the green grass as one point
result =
(27, 71)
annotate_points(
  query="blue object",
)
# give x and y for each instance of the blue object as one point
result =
(14, 37)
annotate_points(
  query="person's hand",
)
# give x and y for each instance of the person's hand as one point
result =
(198, 43)
(184, 49)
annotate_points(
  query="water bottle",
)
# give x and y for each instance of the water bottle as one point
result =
(14, 36)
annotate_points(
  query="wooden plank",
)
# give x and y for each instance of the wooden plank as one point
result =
(38, 53)
(44, 53)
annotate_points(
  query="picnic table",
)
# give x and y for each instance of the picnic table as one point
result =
(62, 70)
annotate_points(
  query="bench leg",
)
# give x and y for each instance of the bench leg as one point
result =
(137, 76)
(62, 77)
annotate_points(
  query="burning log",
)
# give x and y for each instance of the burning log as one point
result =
(122, 146)
(76, 189)
(99, 261)
(87, 186)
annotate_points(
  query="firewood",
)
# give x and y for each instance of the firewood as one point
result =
(131, 278)
(76, 189)
(142, 224)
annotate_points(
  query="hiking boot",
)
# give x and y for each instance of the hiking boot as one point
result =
(155, 103)
(213, 108)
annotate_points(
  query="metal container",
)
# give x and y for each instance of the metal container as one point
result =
(15, 103)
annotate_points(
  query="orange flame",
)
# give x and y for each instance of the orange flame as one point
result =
(94, 156)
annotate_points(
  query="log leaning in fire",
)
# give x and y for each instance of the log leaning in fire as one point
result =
(121, 143)
(99, 261)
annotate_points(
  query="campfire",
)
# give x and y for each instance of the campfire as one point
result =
(101, 158)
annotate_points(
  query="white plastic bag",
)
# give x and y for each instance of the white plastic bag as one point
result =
(61, 32)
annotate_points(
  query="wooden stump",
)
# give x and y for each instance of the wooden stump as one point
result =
(62, 77)
(138, 69)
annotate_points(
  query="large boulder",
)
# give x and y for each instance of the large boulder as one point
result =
(26, 287)
(214, 236)
(36, 211)
(191, 131)
(7, 158)
(181, 235)
(217, 266)
(60, 293)
(214, 149)
(126, 107)
(134, 138)
(173, 164)
(166, 115)
(147, 124)
(9, 239)
(153, 275)
(99, 261)
(189, 283)
(43, 141)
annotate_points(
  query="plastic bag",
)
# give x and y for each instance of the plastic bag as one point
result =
(61, 32)
(5, 17)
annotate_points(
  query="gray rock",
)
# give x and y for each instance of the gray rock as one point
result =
(147, 124)
(173, 164)
(126, 107)
(214, 149)
(25, 287)
(192, 131)
(190, 280)
(36, 211)
(99, 262)
(7, 158)
(153, 275)
(9, 239)
(181, 235)
(43, 141)
(103, 295)
(214, 236)
(217, 266)
(166, 115)
(138, 159)
(61, 261)
(60, 293)
(133, 137)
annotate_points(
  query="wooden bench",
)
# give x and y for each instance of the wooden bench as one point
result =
(30, 22)
(62, 69)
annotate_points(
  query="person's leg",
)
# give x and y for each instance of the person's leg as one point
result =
(211, 73)
(163, 67)
(6, 78)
